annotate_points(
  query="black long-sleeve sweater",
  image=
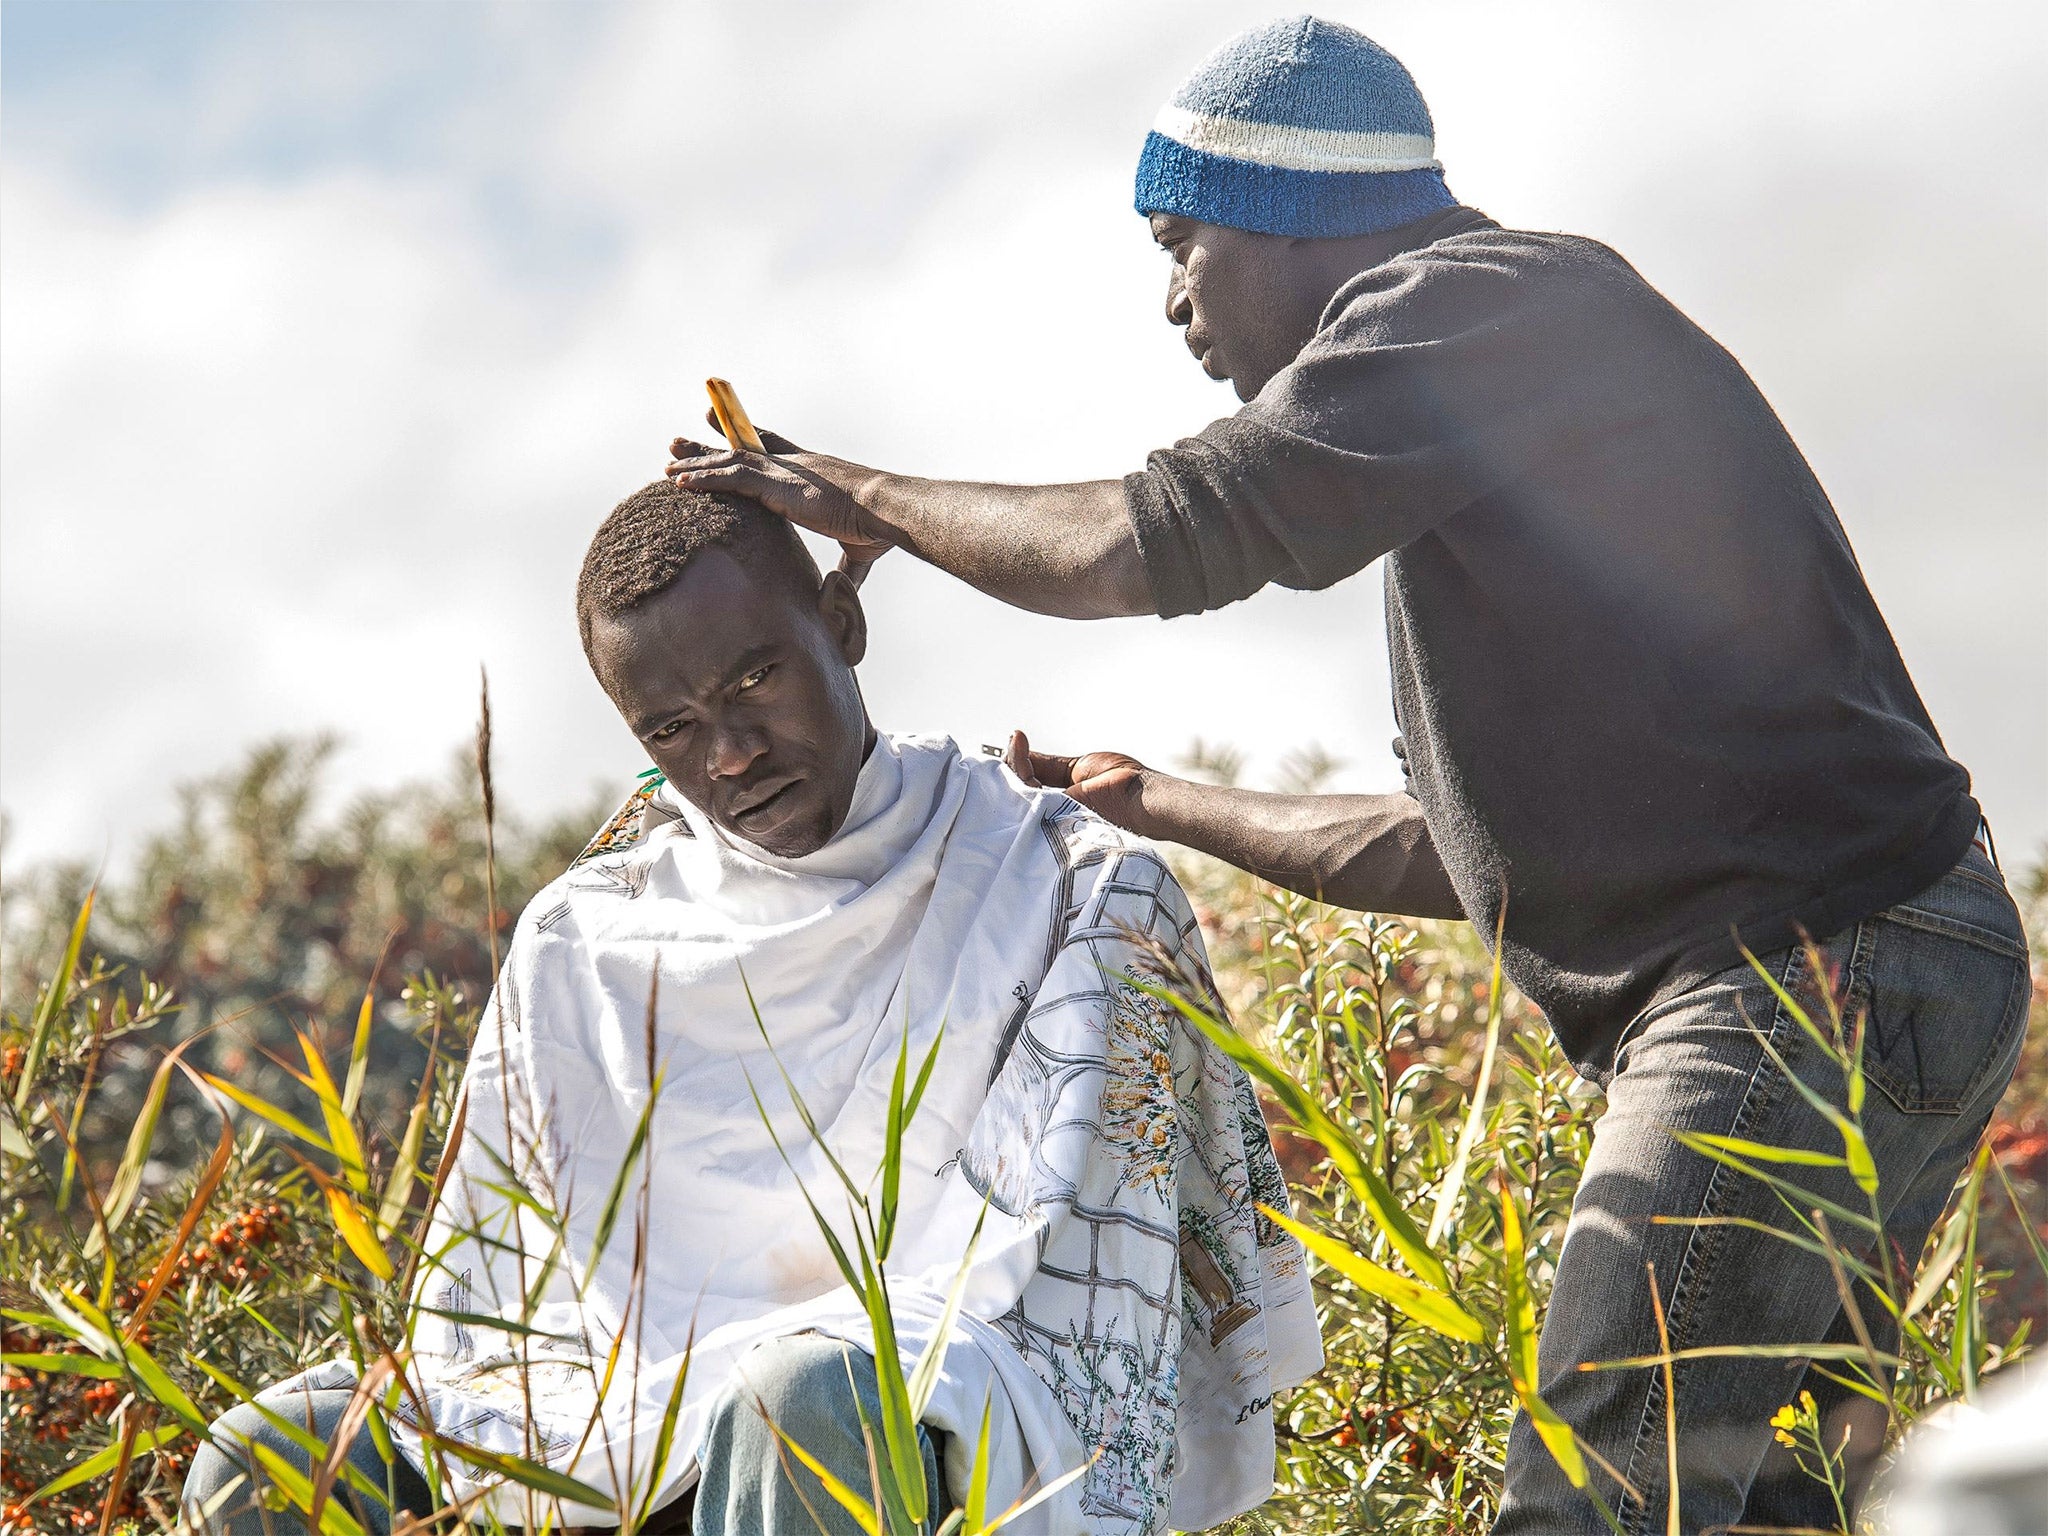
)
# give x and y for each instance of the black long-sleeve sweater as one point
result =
(1645, 695)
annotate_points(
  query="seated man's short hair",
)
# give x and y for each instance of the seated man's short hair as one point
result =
(643, 546)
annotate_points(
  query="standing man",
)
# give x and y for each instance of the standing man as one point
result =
(1647, 705)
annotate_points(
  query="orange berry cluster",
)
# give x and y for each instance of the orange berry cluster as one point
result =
(229, 1251)
(49, 1406)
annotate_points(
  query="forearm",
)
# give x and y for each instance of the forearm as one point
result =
(1370, 853)
(1064, 550)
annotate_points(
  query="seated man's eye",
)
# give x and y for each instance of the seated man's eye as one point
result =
(753, 678)
(668, 732)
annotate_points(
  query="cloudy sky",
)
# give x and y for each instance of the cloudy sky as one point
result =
(331, 330)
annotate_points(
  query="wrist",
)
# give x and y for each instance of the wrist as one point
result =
(876, 494)
(1151, 804)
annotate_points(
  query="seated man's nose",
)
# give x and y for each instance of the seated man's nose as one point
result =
(733, 753)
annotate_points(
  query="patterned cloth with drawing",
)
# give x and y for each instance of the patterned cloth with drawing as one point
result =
(1125, 1301)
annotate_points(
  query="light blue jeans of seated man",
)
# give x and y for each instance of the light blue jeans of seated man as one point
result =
(803, 1382)
(1942, 981)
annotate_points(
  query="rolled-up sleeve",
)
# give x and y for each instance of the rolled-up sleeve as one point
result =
(1197, 551)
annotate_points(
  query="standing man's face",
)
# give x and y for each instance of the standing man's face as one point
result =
(1246, 301)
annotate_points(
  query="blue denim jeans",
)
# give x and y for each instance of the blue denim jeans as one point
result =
(224, 1483)
(1942, 981)
(806, 1383)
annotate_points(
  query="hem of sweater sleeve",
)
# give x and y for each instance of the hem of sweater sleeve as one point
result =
(1165, 548)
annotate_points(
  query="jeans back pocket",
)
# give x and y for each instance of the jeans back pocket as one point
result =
(1947, 990)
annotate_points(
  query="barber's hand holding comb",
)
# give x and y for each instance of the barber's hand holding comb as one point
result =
(812, 490)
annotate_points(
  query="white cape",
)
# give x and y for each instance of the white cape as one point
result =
(1125, 1297)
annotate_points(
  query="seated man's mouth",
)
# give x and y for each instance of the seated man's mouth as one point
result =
(763, 806)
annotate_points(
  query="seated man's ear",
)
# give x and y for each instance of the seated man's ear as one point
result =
(845, 620)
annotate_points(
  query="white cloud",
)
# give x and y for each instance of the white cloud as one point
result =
(296, 452)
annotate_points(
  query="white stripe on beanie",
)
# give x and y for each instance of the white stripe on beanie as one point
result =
(1297, 149)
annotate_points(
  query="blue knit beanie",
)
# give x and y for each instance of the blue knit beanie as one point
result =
(1298, 127)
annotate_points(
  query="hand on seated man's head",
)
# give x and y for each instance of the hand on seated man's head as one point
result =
(731, 659)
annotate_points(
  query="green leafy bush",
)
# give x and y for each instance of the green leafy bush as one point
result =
(205, 1186)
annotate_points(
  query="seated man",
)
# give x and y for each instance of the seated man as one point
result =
(769, 915)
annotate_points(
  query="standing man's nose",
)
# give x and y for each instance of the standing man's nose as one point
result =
(1179, 309)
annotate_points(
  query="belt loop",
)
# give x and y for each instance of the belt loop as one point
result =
(1984, 840)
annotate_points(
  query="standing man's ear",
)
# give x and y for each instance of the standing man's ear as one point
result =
(845, 620)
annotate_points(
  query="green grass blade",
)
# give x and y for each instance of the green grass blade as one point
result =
(860, 1509)
(1372, 1191)
(296, 1432)
(1453, 1185)
(615, 1197)
(341, 1135)
(1520, 1319)
(1849, 1352)
(924, 1377)
(404, 1172)
(64, 1365)
(1948, 1252)
(924, 1074)
(796, 1098)
(353, 1226)
(1793, 1009)
(895, 1516)
(90, 1326)
(1024, 1506)
(359, 1053)
(1967, 1345)
(52, 1003)
(899, 1424)
(334, 1520)
(1791, 1193)
(102, 1462)
(42, 1322)
(1763, 1152)
(892, 1148)
(2039, 1249)
(528, 1474)
(127, 1182)
(1855, 1149)
(160, 1386)
(846, 1268)
(666, 1438)
(79, 1319)
(263, 1109)
(492, 1320)
(1860, 1388)
(975, 1509)
(1429, 1307)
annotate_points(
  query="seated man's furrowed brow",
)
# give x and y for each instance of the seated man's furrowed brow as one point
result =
(731, 659)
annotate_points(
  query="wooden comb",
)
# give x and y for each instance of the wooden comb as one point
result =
(733, 420)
